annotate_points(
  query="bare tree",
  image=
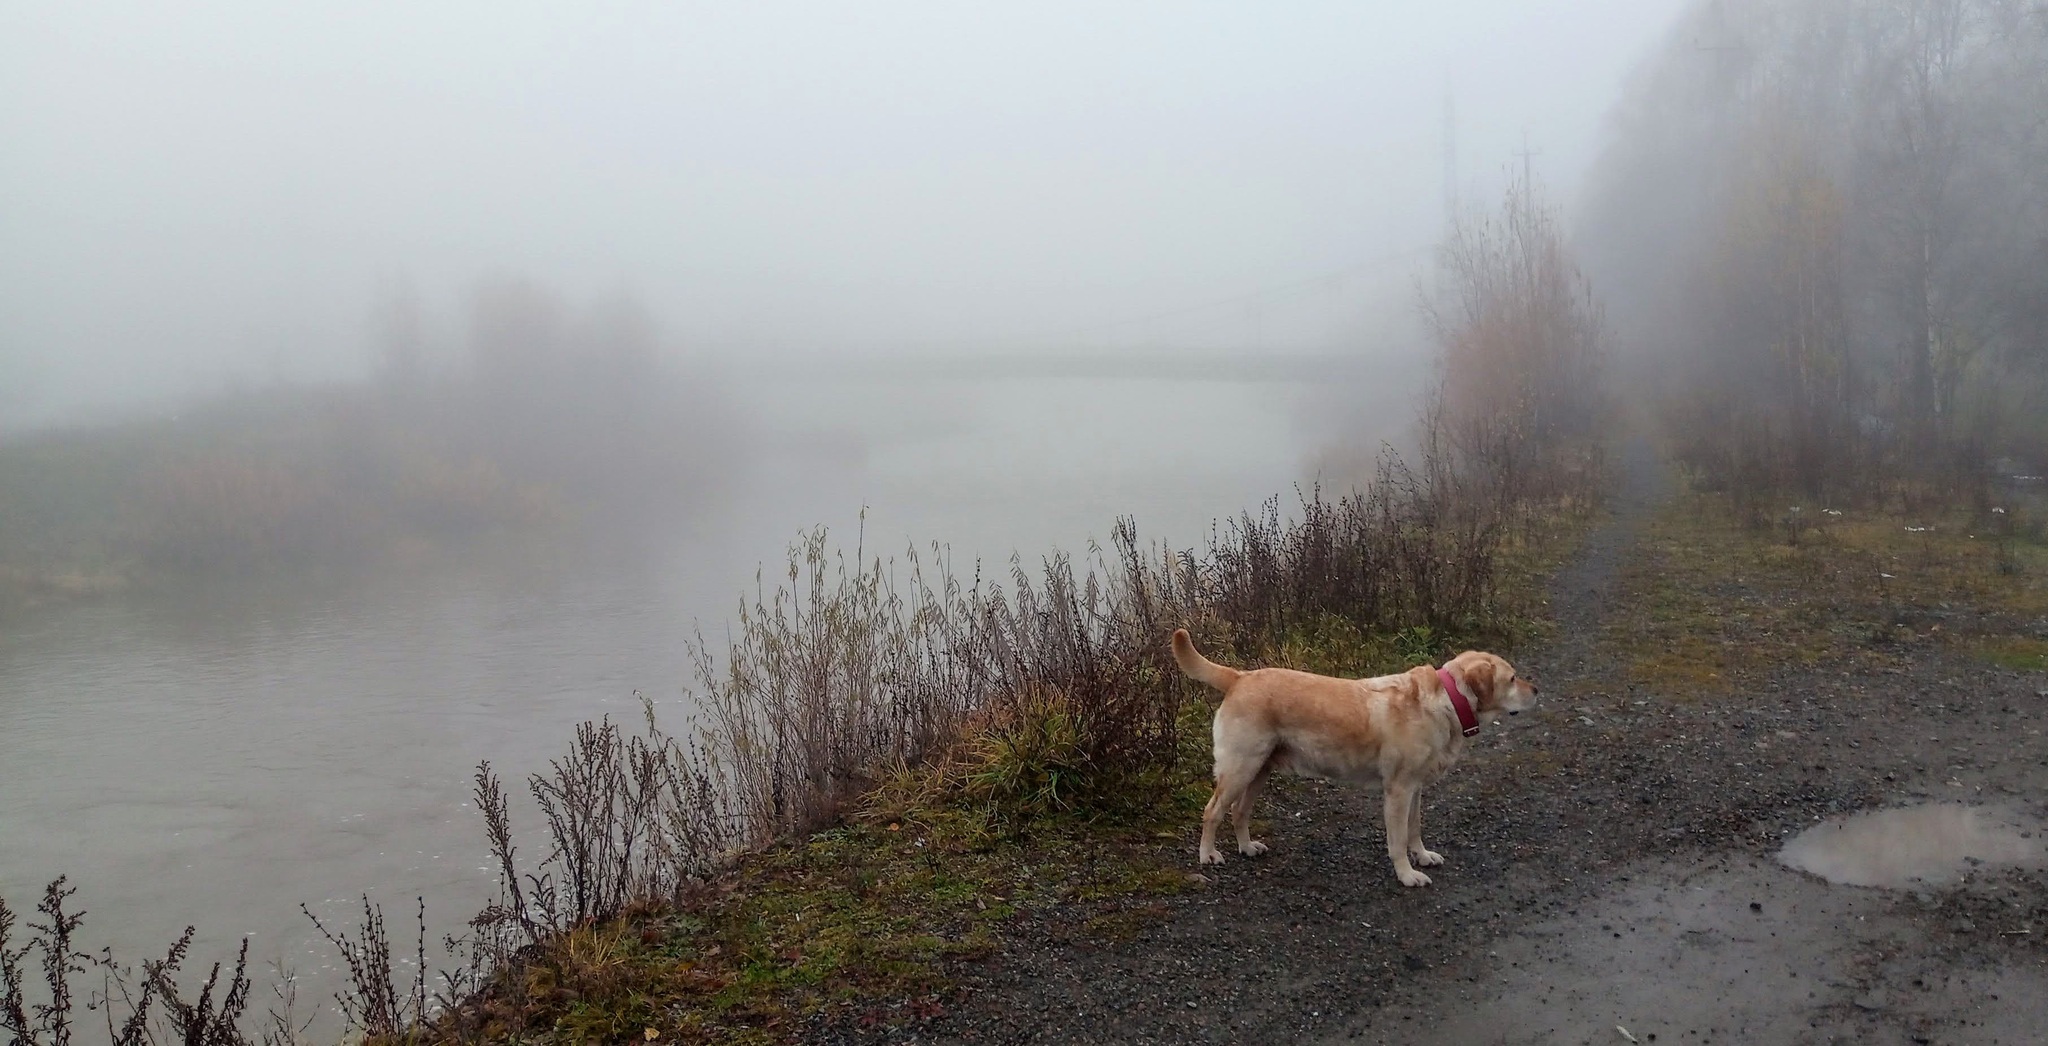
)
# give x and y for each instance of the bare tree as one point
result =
(1521, 344)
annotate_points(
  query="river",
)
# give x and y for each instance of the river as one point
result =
(217, 756)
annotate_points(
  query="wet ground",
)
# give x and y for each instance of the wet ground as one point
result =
(1615, 872)
(1739, 950)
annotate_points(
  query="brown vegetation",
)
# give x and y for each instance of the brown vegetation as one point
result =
(1523, 347)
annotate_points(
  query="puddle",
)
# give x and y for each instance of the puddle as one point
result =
(1915, 844)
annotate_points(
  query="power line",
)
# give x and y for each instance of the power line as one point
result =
(1450, 157)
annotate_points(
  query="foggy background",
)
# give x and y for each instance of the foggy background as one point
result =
(286, 291)
(213, 194)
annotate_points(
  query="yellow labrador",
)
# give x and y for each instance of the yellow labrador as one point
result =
(1407, 729)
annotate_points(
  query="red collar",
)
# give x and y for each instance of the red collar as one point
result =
(1466, 718)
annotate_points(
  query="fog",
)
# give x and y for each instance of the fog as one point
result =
(290, 292)
(202, 196)
(1822, 226)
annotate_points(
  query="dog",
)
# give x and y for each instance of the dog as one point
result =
(1407, 728)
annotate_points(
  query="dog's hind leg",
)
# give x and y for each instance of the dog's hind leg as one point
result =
(1400, 797)
(1235, 775)
(1419, 850)
(1241, 813)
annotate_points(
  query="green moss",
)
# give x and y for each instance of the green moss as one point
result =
(1123, 924)
(2024, 653)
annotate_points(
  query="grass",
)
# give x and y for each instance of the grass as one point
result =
(2019, 653)
(1727, 603)
(860, 920)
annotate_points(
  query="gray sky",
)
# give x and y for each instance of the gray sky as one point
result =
(193, 192)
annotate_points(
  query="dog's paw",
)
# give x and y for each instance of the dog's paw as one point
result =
(1212, 856)
(1428, 858)
(1411, 877)
(1252, 849)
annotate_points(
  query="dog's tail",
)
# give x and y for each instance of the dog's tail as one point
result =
(1199, 668)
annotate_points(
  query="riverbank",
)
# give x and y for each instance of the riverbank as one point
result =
(1049, 724)
(361, 701)
(301, 480)
(1710, 691)
(1046, 792)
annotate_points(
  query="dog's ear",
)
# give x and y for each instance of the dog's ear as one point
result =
(1475, 677)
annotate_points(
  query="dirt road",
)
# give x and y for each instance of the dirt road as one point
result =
(1613, 870)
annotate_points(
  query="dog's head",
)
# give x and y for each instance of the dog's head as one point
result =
(1492, 682)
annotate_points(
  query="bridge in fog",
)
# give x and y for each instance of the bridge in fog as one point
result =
(1201, 364)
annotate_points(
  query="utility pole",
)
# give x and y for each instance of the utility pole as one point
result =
(1528, 168)
(1730, 46)
(1450, 158)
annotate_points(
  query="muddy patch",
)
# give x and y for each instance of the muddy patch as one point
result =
(1737, 950)
(1935, 843)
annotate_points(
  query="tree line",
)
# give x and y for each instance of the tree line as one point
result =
(1822, 226)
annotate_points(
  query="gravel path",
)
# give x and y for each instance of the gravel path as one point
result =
(1610, 866)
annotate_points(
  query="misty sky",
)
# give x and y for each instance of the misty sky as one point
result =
(196, 192)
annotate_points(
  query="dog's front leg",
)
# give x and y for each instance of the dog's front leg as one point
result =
(1400, 798)
(1423, 855)
(1211, 816)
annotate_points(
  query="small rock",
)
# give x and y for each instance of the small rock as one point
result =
(1963, 926)
(1755, 907)
(1870, 1001)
